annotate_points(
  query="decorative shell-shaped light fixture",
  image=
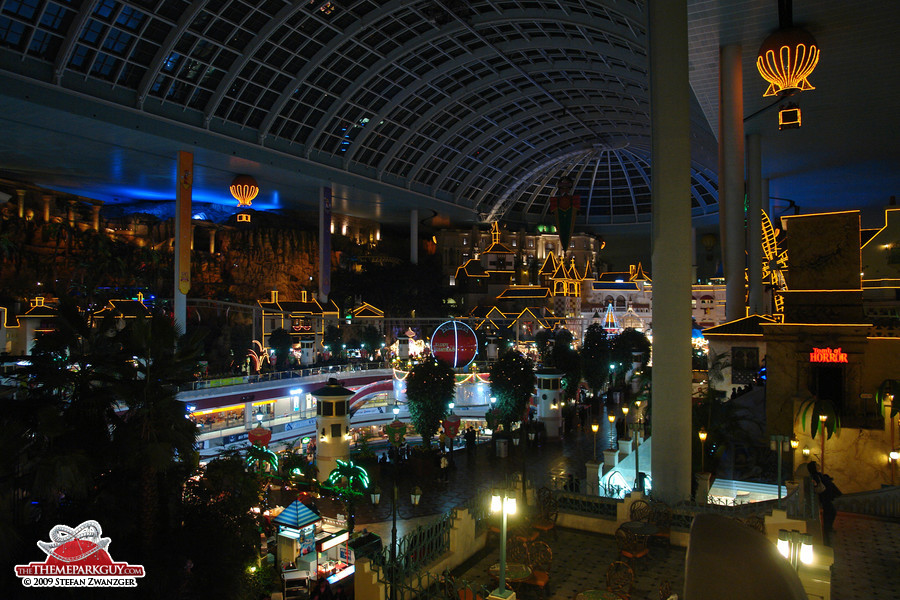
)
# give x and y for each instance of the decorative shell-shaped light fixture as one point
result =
(786, 59)
(244, 189)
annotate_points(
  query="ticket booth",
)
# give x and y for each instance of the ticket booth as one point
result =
(296, 542)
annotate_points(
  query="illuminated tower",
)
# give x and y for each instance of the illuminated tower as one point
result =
(332, 426)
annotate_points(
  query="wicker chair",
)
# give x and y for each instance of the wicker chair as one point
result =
(620, 579)
(631, 546)
(661, 516)
(548, 512)
(640, 511)
(541, 558)
(665, 590)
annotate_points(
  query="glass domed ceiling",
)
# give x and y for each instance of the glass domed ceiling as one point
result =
(476, 107)
(613, 185)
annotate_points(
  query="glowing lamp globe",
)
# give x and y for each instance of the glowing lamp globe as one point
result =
(786, 59)
(244, 189)
(455, 343)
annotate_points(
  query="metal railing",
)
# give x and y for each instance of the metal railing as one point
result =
(215, 382)
(878, 503)
(416, 549)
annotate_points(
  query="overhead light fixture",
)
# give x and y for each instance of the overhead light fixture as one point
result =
(244, 189)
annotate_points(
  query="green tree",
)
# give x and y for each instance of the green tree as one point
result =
(512, 383)
(219, 536)
(595, 357)
(430, 386)
(623, 345)
(280, 341)
(371, 339)
(333, 340)
(155, 435)
(566, 359)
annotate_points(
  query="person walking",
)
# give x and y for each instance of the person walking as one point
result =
(824, 487)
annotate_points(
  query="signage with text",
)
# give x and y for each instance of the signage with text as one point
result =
(827, 355)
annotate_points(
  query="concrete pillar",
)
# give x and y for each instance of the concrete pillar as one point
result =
(414, 236)
(212, 241)
(95, 217)
(20, 196)
(46, 200)
(731, 177)
(70, 213)
(754, 224)
(324, 243)
(671, 183)
(332, 426)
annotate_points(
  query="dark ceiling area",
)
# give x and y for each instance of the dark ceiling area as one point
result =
(472, 110)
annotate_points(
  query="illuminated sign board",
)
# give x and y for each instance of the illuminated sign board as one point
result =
(827, 355)
(333, 541)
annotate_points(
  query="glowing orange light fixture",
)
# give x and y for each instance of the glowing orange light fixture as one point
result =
(244, 189)
(786, 59)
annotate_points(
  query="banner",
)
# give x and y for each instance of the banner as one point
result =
(325, 245)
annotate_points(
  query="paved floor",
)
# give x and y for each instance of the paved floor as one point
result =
(866, 550)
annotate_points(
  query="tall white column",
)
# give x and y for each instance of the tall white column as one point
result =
(414, 236)
(731, 177)
(183, 192)
(754, 224)
(671, 161)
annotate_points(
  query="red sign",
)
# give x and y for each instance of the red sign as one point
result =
(451, 425)
(827, 355)
(455, 343)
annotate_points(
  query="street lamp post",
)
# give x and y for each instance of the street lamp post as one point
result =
(595, 427)
(702, 435)
(823, 418)
(395, 435)
(780, 443)
(612, 421)
(638, 480)
(507, 506)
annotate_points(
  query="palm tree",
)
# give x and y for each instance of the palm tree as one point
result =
(264, 459)
(348, 482)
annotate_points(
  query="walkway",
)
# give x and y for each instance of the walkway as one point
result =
(867, 550)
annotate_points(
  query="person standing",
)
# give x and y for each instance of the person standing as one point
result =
(445, 467)
(827, 491)
(471, 440)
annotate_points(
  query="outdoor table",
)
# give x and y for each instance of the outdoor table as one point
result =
(641, 528)
(514, 572)
(597, 595)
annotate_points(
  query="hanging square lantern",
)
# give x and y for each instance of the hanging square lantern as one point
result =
(789, 117)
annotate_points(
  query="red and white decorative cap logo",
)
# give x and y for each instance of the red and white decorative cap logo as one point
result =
(78, 557)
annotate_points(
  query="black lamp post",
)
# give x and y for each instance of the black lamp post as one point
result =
(395, 435)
